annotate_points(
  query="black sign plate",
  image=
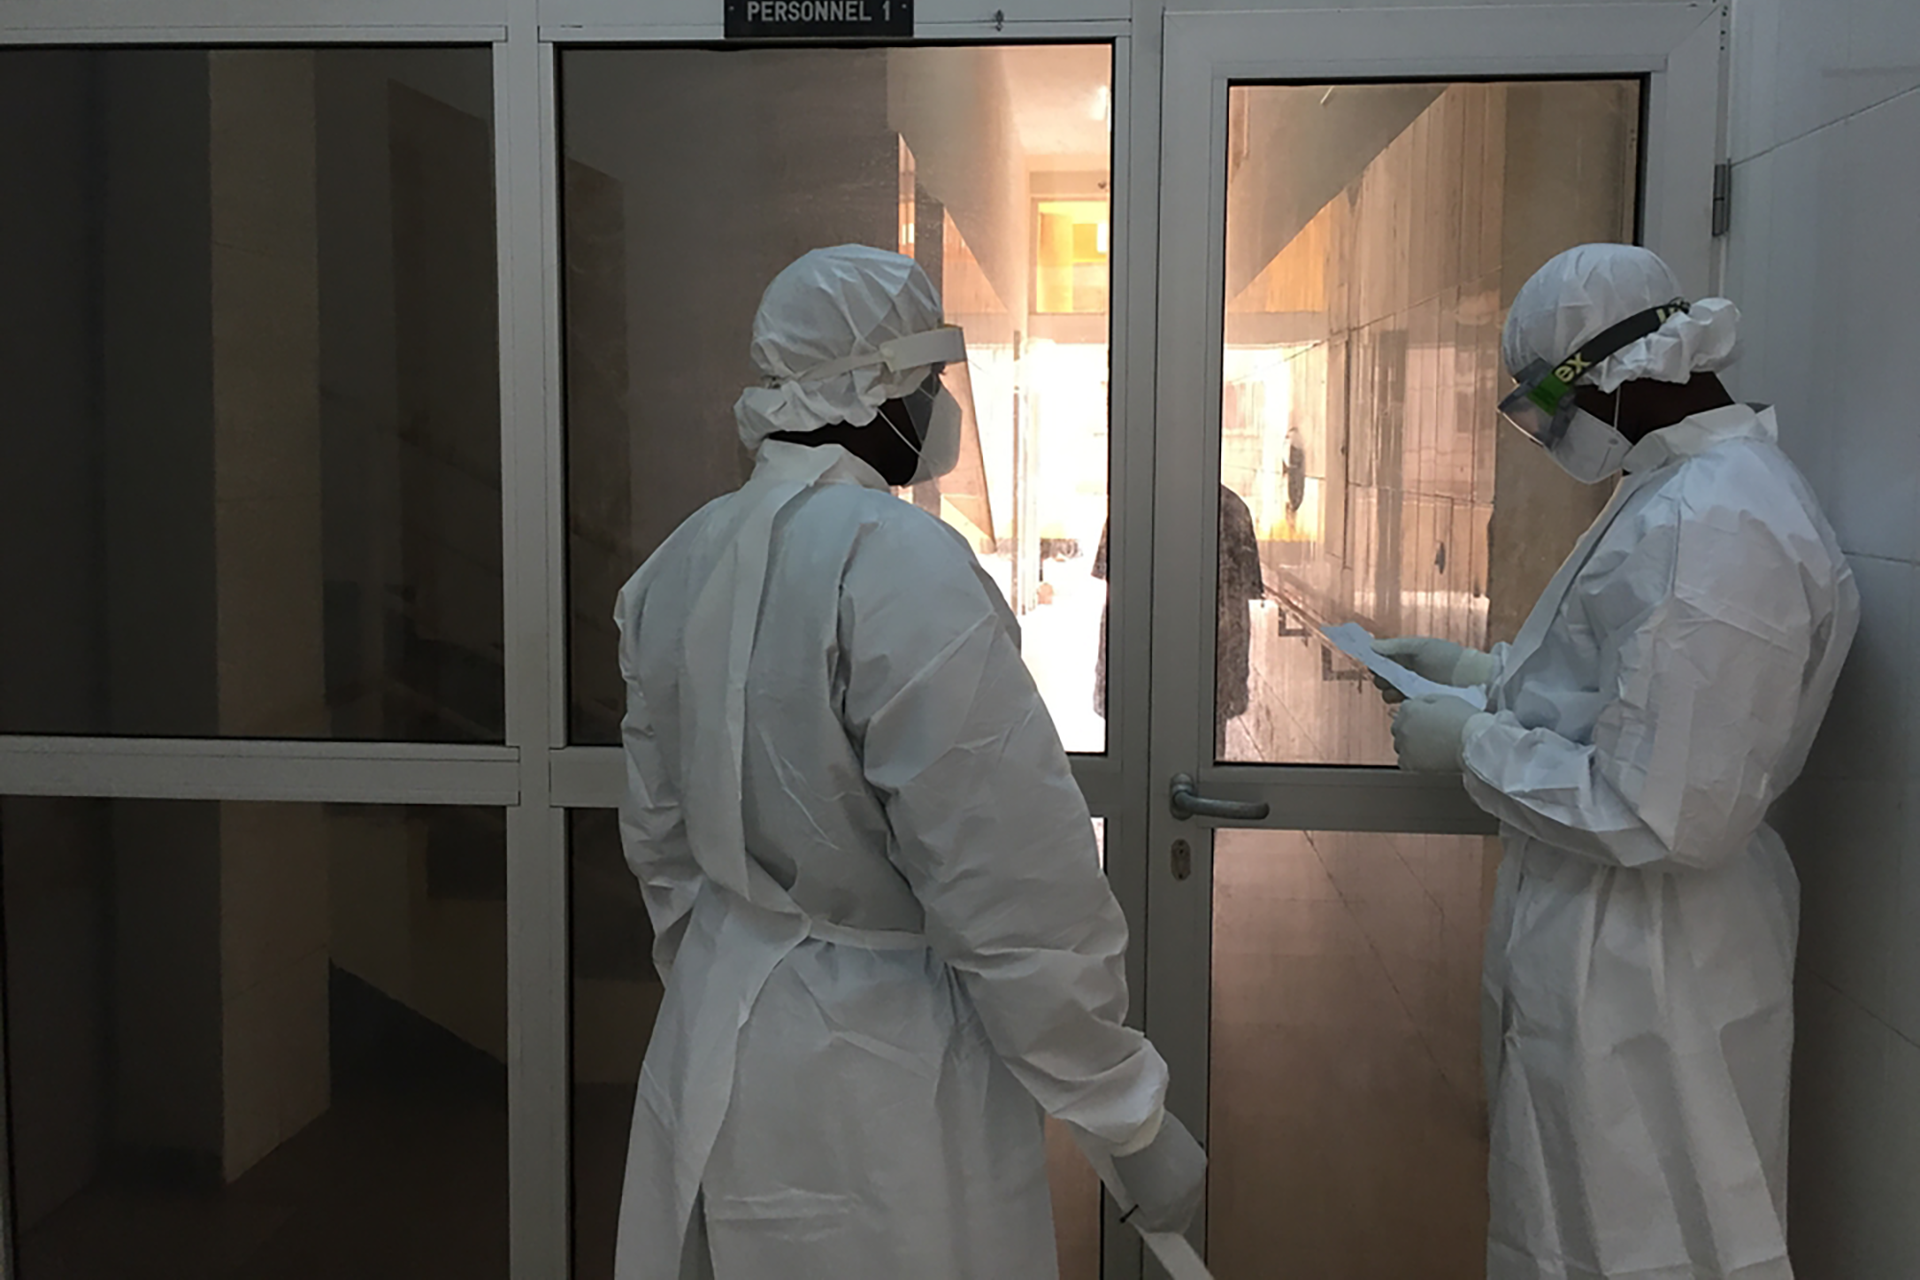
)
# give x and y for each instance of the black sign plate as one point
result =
(818, 19)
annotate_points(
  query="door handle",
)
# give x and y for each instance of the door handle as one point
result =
(1188, 803)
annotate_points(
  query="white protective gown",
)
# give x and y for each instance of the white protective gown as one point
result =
(886, 937)
(1639, 968)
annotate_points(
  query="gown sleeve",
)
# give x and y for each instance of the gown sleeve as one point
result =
(653, 828)
(990, 829)
(1704, 632)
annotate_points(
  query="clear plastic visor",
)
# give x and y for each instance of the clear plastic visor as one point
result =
(954, 379)
(1540, 407)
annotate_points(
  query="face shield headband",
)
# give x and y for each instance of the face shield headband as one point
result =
(940, 410)
(942, 346)
(1542, 405)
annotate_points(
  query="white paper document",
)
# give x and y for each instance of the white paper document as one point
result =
(1352, 639)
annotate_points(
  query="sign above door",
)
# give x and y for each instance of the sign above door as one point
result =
(817, 19)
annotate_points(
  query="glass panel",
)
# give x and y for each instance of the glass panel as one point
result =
(250, 468)
(989, 165)
(1375, 235)
(264, 1041)
(1076, 1205)
(1348, 1118)
(616, 995)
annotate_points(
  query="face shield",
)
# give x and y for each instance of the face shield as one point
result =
(1542, 407)
(940, 410)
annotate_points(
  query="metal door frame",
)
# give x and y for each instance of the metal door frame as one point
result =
(1678, 48)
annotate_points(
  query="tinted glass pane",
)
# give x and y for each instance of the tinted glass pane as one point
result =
(250, 462)
(1347, 1114)
(260, 1041)
(616, 994)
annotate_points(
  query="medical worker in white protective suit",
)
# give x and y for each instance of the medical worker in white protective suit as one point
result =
(1639, 969)
(887, 942)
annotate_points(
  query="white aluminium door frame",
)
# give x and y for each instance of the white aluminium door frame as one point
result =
(1677, 47)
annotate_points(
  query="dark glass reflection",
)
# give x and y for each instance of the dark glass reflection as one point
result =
(250, 463)
(255, 1041)
(616, 994)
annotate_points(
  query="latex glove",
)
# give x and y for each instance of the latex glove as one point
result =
(1441, 661)
(1430, 733)
(1165, 1178)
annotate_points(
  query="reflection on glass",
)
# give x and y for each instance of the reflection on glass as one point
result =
(265, 1041)
(1347, 1112)
(1375, 235)
(989, 165)
(617, 993)
(250, 468)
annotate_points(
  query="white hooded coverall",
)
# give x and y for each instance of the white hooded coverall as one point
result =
(1639, 969)
(900, 946)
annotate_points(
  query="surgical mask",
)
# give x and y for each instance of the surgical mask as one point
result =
(1545, 409)
(1590, 450)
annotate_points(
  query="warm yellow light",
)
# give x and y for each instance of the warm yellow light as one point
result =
(1070, 253)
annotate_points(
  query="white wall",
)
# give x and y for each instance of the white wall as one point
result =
(1826, 144)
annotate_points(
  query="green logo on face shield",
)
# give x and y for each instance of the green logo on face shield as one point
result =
(1551, 390)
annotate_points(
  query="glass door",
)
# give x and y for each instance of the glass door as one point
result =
(990, 165)
(1327, 452)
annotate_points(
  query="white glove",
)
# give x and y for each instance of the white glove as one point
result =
(1430, 733)
(1165, 1178)
(1441, 661)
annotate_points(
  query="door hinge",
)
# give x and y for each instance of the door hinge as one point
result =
(1722, 197)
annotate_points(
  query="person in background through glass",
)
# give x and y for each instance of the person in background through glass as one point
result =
(1240, 583)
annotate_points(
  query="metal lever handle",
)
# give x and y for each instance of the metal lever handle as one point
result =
(1189, 803)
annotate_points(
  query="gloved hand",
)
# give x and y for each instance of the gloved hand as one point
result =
(1441, 661)
(1165, 1178)
(1430, 733)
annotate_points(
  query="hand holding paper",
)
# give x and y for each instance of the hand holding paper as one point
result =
(1352, 639)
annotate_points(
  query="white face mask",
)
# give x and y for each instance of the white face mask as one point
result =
(1591, 450)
